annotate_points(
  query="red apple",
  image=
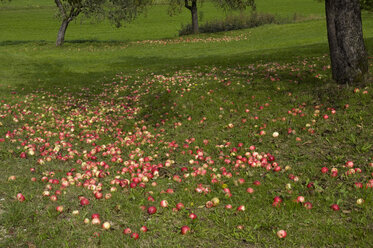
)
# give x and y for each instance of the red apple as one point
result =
(192, 216)
(108, 196)
(53, 198)
(300, 199)
(180, 206)
(94, 216)
(209, 204)
(59, 208)
(20, 197)
(152, 210)
(349, 164)
(335, 207)
(84, 201)
(308, 205)
(185, 230)
(135, 236)
(250, 190)
(281, 234)
(257, 183)
(241, 208)
(164, 203)
(96, 221)
(127, 231)
(98, 195)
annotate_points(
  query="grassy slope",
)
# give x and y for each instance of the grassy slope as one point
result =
(274, 50)
(106, 60)
(148, 26)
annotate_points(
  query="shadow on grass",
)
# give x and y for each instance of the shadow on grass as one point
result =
(52, 74)
(97, 42)
(22, 42)
(44, 42)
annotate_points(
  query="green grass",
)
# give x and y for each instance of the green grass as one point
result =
(279, 67)
(39, 15)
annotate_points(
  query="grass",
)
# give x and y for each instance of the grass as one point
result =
(182, 90)
(148, 26)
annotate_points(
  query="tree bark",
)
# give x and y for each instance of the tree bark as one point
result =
(61, 33)
(194, 17)
(349, 59)
(194, 11)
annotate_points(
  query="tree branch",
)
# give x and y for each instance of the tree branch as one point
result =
(187, 5)
(62, 10)
(74, 12)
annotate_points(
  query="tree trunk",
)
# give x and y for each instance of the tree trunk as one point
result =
(348, 55)
(194, 17)
(61, 33)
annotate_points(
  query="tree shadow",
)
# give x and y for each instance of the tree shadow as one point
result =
(44, 42)
(22, 42)
(52, 74)
(97, 42)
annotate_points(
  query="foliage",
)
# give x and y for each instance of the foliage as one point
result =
(70, 9)
(236, 4)
(176, 6)
(126, 10)
(118, 11)
(366, 5)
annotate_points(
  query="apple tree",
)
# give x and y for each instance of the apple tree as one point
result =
(118, 11)
(68, 10)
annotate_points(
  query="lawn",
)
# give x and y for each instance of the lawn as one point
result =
(243, 129)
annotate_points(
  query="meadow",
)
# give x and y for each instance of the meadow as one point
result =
(236, 135)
